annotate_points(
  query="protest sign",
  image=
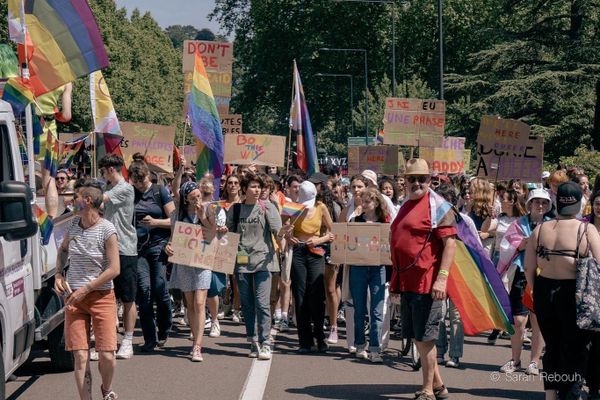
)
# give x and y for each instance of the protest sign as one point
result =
(507, 150)
(449, 158)
(231, 124)
(467, 154)
(193, 249)
(380, 159)
(414, 122)
(155, 142)
(361, 244)
(361, 141)
(190, 153)
(247, 149)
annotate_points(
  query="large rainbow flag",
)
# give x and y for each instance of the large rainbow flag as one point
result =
(306, 150)
(206, 125)
(65, 40)
(474, 285)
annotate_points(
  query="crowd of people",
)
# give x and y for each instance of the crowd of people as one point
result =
(116, 250)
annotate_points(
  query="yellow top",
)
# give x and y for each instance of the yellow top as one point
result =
(310, 226)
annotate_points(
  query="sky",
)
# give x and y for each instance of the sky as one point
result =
(175, 12)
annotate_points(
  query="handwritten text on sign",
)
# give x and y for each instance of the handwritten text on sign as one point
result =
(231, 124)
(507, 150)
(449, 158)
(361, 244)
(155, 141)
(255, 149)
(414, 122)
(216, 56)
(380, 159)
(192, 248)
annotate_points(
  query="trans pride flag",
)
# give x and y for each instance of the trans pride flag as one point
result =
(206, 125)
(306, 150)
(474, 285)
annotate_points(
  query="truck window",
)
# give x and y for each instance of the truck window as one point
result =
(6, 163)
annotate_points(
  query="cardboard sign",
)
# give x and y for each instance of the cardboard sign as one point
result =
(247, 149)
(190, 153)
(231, 124)
(380, 159)
(220, 83)
(449, 158)
(361, 141)
(507, 150)
(193, 249)
(361, 244)
(155, 141)
(414, 122)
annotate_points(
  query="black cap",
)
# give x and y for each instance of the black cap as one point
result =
(568, 199)
(318, 177)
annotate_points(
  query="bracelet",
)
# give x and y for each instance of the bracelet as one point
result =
(443, 272)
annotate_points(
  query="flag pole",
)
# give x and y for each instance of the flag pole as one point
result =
(287, 171)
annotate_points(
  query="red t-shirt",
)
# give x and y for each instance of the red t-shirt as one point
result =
(409, 232)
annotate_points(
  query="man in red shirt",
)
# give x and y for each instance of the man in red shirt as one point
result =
(422, 253)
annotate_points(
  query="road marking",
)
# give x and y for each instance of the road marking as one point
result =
(256, 381)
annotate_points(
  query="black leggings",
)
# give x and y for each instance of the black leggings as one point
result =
(565, 359)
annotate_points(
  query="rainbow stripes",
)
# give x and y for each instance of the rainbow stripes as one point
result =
(306, 159)
(18, 94)
(45, 224)
(52, 154)
(66, 41)
(291, 209)
(206, 125)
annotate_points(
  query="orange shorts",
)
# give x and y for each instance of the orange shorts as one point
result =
(99, 308)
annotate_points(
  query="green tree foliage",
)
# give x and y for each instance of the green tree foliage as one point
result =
(584, 158)
(179, 33)
(3, 22)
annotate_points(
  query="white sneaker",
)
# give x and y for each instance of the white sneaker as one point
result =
(265, 352)
(361, 352)
(375, 357)
(510, 367)
(236, 317)
(254, 350)
(208, 324)
(352, 350)
(221, 315)
(94, 355)
(215, 330)
(125, 351)
(532, 369)
(453, 362)
(197, 354)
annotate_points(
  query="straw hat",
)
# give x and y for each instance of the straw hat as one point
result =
(416, 166)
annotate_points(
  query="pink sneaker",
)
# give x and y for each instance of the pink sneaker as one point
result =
(333, 336)
(197, 354)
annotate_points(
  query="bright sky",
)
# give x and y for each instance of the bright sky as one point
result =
(175, 12)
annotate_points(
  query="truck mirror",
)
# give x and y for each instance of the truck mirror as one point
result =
(16, 215)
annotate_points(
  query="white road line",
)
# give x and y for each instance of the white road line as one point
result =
(256, 381)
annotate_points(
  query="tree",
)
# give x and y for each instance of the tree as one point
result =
(205, 34)
(179, 33)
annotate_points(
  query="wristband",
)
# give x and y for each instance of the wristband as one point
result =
(443, 272)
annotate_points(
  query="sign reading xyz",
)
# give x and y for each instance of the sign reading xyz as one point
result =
(254, 149)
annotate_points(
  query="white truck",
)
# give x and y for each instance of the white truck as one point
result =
(31, 312)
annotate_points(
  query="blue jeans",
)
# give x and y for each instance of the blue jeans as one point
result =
(152, 287)
(457, 334)
(371, 279)
(255, 296)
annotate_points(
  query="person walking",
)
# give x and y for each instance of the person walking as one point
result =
(422, 249)
(91, 250)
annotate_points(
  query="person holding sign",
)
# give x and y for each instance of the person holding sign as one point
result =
(369, 280)
(193, 282)
(422, 249)
(256, 221)
(231, 195)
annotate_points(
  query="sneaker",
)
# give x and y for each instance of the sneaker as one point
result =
(221, 315)
(425, 396)
(341, 317)
(125, 351)
(254, 350)
(265, 352)
(493, 337)
(375, 357)
(283, 326)
(532, 369)
(108, 395)
(207, 324)
(215, 330)
(333, 336)
(236, 316)
(526, 340)
(352, 349)
(505, 335)
(438, 393)
(94, 355)
(148, 347)
(361, 352)
(510, 367)
(162, 341)
(452, 362)
(197, 354)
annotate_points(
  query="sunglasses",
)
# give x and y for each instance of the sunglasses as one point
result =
(61, 178)
(420, 178)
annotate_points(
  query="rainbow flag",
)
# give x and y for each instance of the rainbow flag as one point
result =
(291, 209)
(474, 285)
(52, 154)
(18, 94)
(68, 151)
(45, 224)
(65, 40)
(380, 136)
(206, 125)
(306, 150)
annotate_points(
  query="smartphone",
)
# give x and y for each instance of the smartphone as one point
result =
(68, 290)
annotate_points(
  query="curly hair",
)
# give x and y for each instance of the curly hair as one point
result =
(483, 197)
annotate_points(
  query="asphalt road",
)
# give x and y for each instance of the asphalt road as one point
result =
(227, 373)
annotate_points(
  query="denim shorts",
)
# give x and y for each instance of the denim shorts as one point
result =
(421, 316)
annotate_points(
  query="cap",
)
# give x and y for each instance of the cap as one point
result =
(416, 166)
(568, 199)
(370, 175)
(307, 194)
(318, 177)
(545, 175)
(538, 194)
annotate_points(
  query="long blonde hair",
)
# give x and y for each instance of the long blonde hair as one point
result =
(382, 212)
(482, 196)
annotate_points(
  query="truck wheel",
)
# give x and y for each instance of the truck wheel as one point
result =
(61, 359)
(3, 383)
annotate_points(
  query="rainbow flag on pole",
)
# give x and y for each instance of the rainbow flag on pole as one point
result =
(206, 125)
(291, 209)
(306, 158)
(52, 154)
(45, 224)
